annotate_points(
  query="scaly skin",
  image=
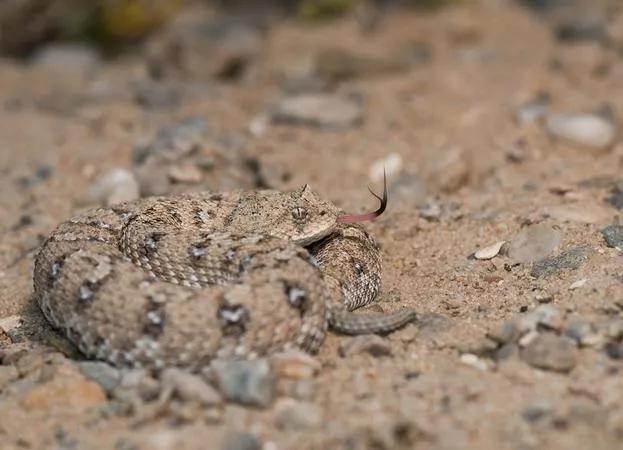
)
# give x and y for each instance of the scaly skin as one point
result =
(180, 280)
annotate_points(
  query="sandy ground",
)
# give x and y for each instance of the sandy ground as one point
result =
(509, 353)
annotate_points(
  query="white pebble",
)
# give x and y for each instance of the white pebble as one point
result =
(578, 284)
(472, 360)
(115, 186)
(392, 164)
(585, 130)
(489, 252)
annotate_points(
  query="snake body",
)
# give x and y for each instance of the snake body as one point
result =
(181, 280)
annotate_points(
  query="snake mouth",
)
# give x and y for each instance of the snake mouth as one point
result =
(305, 241)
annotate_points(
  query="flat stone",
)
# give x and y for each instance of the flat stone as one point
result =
(583, 130)
(490, 251)
(320, 110)
(240, 440)
(534, 243)
(551, 352)
(613, 235)
(245, 382)
(569, 260)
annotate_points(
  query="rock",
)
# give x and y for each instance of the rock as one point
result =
(292, 415)
(578, 284)
(584, 130)
(472, 360)
(240, 440)
(533, 243)
(107, 376)
(490, 251)
(536, 411)
(550, 352)
(186, 173)
(320, 110)
(570, 259)
(391, 165)
(613, 235)
(67, 389)
(370, 343)
(245, 382)
(7, 374)
(137, 382)
(505, 333)
(115, 186)
(294, 364)
(614, 350)
(580, 212)
(10, 323)
(547, 316)
(189, 387)
(449, 172)
(616, 197)
(533, 110)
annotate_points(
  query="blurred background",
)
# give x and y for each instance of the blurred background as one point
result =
(498, 123)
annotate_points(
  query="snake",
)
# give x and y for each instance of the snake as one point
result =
(181, 280)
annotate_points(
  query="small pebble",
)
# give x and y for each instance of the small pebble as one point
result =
(489, 252)
(449, 171)
(470, 359)
(107, 376)
(189, 387)
(534, 243)
(613, 235)
(550, 352)
(537, 411)
(115, 186)
(240, 440)
(391, 165)
(246, 382)
(614, 350)
(370, 343)
(504, 333)
(320, 110)
(7, 374)
(577, 284)
(584, 130)
(548, 316)
(532, 111)
(187, 173)
(294, 364)
(294, 415)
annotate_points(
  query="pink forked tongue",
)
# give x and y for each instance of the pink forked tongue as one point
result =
(351, 218)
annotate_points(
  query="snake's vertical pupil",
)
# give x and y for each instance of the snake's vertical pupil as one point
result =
(299, 213)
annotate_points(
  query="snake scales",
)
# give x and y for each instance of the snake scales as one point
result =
(181, 280)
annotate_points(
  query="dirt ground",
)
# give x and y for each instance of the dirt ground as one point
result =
(519, 351)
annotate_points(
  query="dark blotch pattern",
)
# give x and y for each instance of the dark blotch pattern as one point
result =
(233, 319)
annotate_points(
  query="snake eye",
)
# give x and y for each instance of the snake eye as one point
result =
(299, 213)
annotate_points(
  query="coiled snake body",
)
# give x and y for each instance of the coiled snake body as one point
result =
(178, 281)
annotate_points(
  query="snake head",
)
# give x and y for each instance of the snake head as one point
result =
(309, 217)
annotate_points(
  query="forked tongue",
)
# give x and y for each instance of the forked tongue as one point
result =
(352, 218)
